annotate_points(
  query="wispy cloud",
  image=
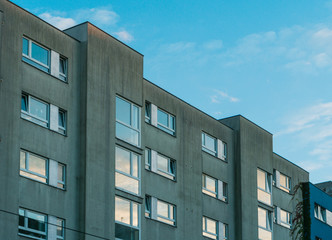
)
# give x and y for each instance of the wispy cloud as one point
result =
(213, 45)
(220, 95)
(103, 17)
(124, 36)
(57, 21)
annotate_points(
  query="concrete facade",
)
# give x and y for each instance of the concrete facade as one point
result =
(100, 70)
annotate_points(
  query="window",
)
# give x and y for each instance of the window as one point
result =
(165, 212)
(42, 169)
(159, 118)
(38, 226)
(285, 183)
(62, 122)
(33, 166)
(127, 121)
(165, 166)
(127, 167)
(160, 164)
(209, 144)
(210, 228)
(264, 224)
(166, 122)
(36, 55)
(126, 219)
(282, 217)
(32, 224)
(263, 187)
(159, 210)
(34, 110)
(43, 114)
(214, 146)
(320, 212)
(214, 188)
(63, 68)
(147, 112)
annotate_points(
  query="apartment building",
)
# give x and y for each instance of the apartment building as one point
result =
(89, 149)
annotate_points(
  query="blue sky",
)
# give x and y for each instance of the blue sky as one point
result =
(270, 61)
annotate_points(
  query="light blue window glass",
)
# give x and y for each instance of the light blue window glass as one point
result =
(38, 109)
(123, 111)
(39, 53)
(162, 118)
(25, 47)
(166, 122)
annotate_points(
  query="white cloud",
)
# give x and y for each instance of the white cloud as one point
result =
(180, 46)
(99, 16)
(57, 21)
(222, 95)
(213, 45)
(124, 36)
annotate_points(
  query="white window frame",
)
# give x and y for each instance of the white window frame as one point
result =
(167, 129)
(138, 178)
(214, 151)
(205, 231)
(147, 158)
(138, 130)
(147, 206)
(286, 188)
(26, 169)
(207, 191)
(151, 210)
(288, 222)
(268, 185)
(29, 116)
(166, 219)
(59, 181)
(320, 212)
(169, 173)
(29, 57)
(147, 112)
(26, 228)
(63, 129)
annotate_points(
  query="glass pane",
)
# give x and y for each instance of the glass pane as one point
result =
(37, 165)
(61, 119)
(162, 118)
(38, 109)
(59, 229)
(33, 176)
(22, 160)
(135, 120)
(126, 183)
(172, 123)
(172, 167)
(261, 179)
(25, 47)
(24, 103)
(135, 214)
(61, 172)
(39, 53)
(210, 183)
(162, 209)
(134, 161)
(122, 210)
(210, 143)
(147, 110)
(36, 221)
(162, 163)
(122, 160)
(262, 217)
(171, 212)
(127, 134)
(63, 66)
(264, 234)
(147, 157)
(211, 226)
(264, 197)
(123, 111)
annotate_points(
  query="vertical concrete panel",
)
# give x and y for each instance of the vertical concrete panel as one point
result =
(55, 57)
(154, 115)
(53, 172)
(51, 231)
(54, 118)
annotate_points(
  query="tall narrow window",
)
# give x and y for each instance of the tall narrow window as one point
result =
(63, 68)
(127, 121)
(62, 121)
(264, 187)
(210, 228)
(320, 212)
(35, 54)
(60, 233)
(148, 159)
(126, 219)
(148, 206)
(147, 112)
(127, 166)
(61, 176)
(264, 224)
